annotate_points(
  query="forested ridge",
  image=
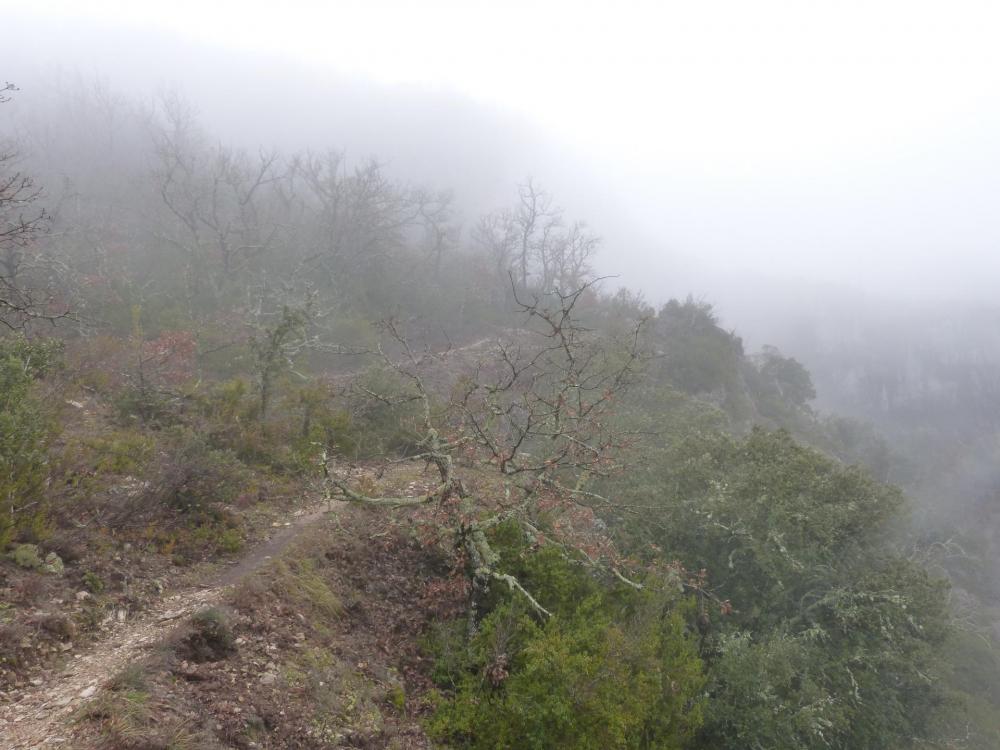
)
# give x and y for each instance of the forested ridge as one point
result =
(561, 516)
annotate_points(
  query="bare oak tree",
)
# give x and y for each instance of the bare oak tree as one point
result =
(25, 295)
(361, 221)
(533, 243)
(215, 195)
(535, 413)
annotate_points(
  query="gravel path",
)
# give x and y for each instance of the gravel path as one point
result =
(38, 717)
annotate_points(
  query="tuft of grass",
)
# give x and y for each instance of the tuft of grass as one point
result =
(122, 713)
(123, 452)
(230, 541)
(93, 582)
(126, 718)
(396, 695)
(340, 697)
(12, 635)
(297, 581)
(133, 678)
(211, 637)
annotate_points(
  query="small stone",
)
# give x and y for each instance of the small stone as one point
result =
(36, 681)
(82, 595)
(269, 678)
(88, 691)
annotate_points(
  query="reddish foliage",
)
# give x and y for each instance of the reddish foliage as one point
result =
(171, 355)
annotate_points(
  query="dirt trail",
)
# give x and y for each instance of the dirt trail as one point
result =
(38, 718)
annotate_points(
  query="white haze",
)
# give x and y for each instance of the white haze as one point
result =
(729, 149)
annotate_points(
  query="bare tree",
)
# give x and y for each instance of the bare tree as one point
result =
(25, 294)
(362, 220)
(215, 195)
(439, 229)
(534, 413)
(497, 235)
(532, 242)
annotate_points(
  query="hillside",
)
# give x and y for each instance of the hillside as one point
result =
(292, 458)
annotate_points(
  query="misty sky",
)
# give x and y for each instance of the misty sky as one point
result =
(853, 143)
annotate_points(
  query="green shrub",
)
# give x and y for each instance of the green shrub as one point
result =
(297, 581)
(613, 668)
(24, 434)
(121, 453)
(388, 424)
(194, 476)
(26, 556)
(227, 401)
(146, 404)
(93, 582)
(38, 357)
(831, 636)
(230, 541)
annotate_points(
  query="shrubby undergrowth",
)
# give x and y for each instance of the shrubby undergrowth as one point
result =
(715, 566)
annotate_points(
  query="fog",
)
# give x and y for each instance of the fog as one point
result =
(851, 145)
(762, 236)
(814, 173)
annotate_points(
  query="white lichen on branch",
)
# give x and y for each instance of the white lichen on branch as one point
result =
(538, 413)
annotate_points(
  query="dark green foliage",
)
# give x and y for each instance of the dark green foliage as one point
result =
(93, 582)
(24, 433)
(195, 476)
(697, 355)
(613, 668)
(831, 640)
(784, 378)
(828, 634)
(973, 665)
(146, 405)
(273, 349)
(856, 442)
(321, 427)
(38, 357)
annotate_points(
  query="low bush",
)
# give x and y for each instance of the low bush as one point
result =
(25, 430)
(211, 637)
(613, 668)
(192, 476)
